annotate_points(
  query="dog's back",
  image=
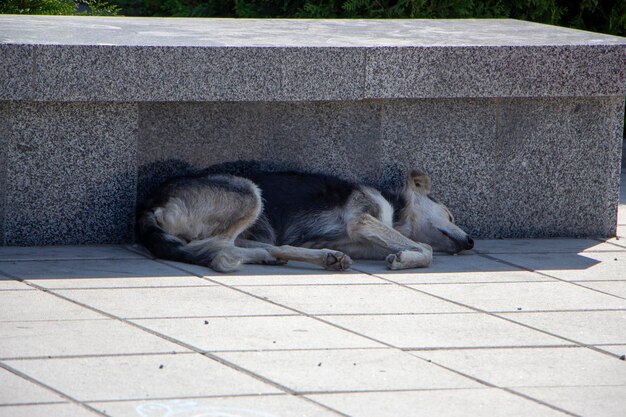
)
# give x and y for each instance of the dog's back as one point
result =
(302, 207)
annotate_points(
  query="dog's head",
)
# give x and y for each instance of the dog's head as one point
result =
(425, 220)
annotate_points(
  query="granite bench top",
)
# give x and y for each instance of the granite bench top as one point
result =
(70, 58)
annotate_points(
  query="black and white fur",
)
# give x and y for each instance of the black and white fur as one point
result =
(223, 221)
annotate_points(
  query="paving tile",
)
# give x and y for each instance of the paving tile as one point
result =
(37, 305)
(257, 333)
(55, 253)
(444, 330)
(88, 337)
(618, 350)
(525, 296)
(131, 282)
(294, 273)
(492, 246)
(97, 273)
(173, 302)
(586, 266)
(620, 238)
(289, 278)
(257, 406)
(452, 270)
(354, 299)
(589, 327)
(17, 390)
(524, 367)
(46, 410)
(460, 402)
(140, 377)
(347, 370)
(584, 401)
(10, 284)
(617, 288)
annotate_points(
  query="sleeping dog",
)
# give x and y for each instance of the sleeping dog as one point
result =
(223, 221)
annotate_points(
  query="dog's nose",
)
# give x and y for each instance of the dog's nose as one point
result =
(469, 244)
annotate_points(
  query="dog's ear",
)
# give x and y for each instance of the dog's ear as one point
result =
(419, 181)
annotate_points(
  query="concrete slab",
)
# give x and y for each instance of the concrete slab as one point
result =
(294, 273)
(46, 410)
(354, 299)
(446, 269)
(588, 327)
(347, 370)
(256, 406)
(17, 390)
(7, 283)
(174, 302)
(585, 401)
(100, 273)
(36, 305)
(523, 296)
(56, 253)
(257, 333)
(617, 288)
(535, 367)
(437, 331)
(291, 277)
(140, 377)
(588, 266)
(619, 350)
(449, 403)
(491, 246)
(72, 338)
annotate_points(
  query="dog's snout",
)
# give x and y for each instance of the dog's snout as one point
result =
(469, 243)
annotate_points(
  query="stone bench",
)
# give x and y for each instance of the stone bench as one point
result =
(519, 124)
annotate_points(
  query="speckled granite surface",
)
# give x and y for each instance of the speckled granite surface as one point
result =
(70, 173)
(507, 168)
(138, 59)
(519, 124)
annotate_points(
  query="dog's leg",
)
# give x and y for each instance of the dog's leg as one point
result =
(326, 258)
(258, 256)
(408, 254)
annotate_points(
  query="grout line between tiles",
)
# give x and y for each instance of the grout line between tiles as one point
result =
(617, 245)
(73, 259)
(400, 350)
(95, 355)
(550, 276)
(49, 388)
(215, 358)
(30, 404)
(286, 389)
(489, 384)
(509, 320)
(194, 397)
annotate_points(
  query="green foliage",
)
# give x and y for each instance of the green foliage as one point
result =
(607, 16)
(59, 7)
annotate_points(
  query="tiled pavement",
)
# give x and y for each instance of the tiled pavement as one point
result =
(517, 328)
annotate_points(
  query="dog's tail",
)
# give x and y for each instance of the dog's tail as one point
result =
(216, 253)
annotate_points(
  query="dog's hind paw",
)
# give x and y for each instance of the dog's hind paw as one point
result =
(337, 261)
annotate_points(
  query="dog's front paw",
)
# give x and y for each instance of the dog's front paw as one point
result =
(337, 261)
